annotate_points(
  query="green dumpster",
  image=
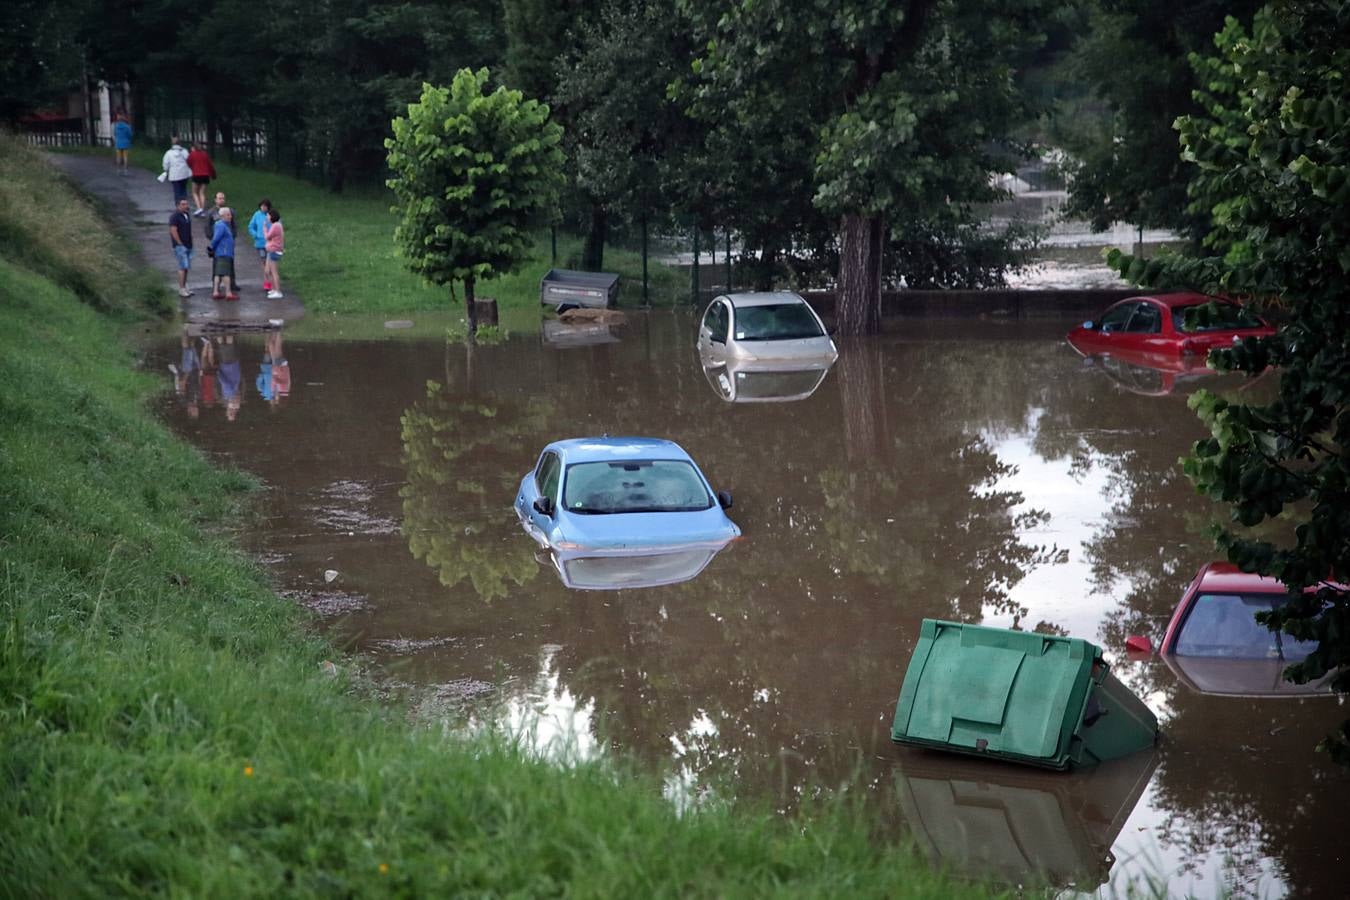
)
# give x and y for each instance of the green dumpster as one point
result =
(1017, 696)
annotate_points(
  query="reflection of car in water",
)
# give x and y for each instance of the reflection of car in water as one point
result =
(1155, 374)
(1012, 824)
(631, 570)
(619, 495)
(776, 325)
(738, 381)
(1169, 325)
(1215, 645)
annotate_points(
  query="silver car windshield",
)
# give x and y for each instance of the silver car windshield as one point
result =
(628, 486)
(776, 322)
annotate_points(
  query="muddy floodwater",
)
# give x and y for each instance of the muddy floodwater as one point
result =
(982, 472)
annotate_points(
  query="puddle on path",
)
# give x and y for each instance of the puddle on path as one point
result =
(966, 470)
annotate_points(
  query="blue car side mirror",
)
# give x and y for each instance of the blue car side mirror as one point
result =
(544, 506)
(724, 499)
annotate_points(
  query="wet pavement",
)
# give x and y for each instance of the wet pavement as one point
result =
(141, 207)
(975, 471)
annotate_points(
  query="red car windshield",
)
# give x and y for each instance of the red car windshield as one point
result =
(1222, 317)
(1224, 625)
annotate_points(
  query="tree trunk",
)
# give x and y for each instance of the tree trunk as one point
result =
(857, 307)
(226, 126)
(593, 252)
(470, 310)
(765, 266)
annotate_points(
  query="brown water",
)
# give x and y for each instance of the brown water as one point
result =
(975, 471)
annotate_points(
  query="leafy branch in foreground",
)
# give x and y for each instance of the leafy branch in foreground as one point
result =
(1271, 149)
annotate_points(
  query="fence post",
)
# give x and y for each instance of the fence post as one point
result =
(646, 300)
(693, 277)
(728, 255)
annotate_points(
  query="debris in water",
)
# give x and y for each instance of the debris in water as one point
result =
(330, 575)
(398, 323)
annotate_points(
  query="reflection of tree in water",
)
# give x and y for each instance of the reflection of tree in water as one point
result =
(1236, 776)
(464, 454)
(777, 667)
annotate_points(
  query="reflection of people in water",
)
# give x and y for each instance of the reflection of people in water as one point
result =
(187, 375)
(231, 377)
(209, 371)
(280, 369)
(264, 379)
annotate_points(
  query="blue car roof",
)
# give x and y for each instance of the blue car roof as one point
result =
(594, 449)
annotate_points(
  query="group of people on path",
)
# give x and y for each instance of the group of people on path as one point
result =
(265, 228)
(210, 373)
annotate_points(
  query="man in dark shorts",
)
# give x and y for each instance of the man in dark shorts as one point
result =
(180, 234)
(222, 257)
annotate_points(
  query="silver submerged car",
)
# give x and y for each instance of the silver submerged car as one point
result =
(773, 325)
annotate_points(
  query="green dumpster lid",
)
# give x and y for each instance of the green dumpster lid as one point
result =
(1010, 694)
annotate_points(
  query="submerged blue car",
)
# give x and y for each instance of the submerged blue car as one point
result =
(621, 496)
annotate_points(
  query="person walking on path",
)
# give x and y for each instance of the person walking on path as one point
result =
(180, 233)
(212, 217)
(176, 169)
(203, 170)
(222, 253)
(122, 135)
(257, 229)
(276, 245)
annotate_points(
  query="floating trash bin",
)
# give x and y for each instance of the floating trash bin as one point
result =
(567, 288)
(1017, 696)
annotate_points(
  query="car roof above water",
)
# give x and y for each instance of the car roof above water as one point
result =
(1226, 578)
(596, 449)
(762, 298)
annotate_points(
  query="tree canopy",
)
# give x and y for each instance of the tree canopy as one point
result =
(473, 172)
(1271, 151)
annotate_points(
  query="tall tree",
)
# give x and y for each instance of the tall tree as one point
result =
(1133, 54)
(473, 172)
(614, 87)
(1272, 154)
(909, 105)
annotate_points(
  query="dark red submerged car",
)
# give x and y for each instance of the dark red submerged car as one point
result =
(1154, 328)
(1215, 645)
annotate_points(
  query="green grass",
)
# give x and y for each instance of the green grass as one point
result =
(168, 727)
(51, 228)
(340, 251)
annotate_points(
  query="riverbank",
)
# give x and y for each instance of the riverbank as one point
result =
(171, 726)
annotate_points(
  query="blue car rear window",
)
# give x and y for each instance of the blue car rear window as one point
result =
(627, 486)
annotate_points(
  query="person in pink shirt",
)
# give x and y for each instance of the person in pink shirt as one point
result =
(276, 245)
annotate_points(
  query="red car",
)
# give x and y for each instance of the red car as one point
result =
(1215, 644)
(1148, 326)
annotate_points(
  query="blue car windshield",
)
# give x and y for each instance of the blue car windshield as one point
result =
(1222, 317)
(629, 486)
(776, 322)
(1224, 625)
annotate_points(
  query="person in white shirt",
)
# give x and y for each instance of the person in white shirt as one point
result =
(176, 169)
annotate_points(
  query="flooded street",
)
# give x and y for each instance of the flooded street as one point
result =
(974, 471)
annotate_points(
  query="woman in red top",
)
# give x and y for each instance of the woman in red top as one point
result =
(202, 173)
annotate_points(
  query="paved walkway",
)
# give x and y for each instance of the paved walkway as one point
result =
(143, 206)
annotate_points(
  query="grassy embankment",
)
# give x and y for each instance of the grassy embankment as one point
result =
(340, 251)
(167, 726)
